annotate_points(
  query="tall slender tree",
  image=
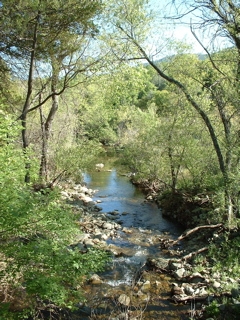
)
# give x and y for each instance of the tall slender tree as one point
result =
(46, 35)
(223, 90)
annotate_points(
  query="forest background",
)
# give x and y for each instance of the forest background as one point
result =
(110, 74)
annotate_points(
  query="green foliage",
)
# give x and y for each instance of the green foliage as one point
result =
(57, 24)
(141, 147)
(37, 229)
(165, 141)
(223, 309)
(124, 15)
(73, 160)
(225, 254)
(212, 310)
(105, 100)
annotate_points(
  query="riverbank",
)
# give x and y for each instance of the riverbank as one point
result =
(143, 290)
(186, 276)
(206, 269)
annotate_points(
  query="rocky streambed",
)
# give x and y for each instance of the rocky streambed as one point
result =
(152, 274)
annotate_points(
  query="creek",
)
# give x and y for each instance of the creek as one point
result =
(145, 226)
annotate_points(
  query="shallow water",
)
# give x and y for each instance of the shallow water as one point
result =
(146, 223)
(117, 193)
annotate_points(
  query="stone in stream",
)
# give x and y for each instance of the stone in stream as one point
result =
(146, 286)
(201, 292)
(196, 278)
(188, 289)
(124, 300)
(89, 243)
(176, 290)
(179, 274)
(126, 230)
(114, 212)
(95, 279)
(158, 263)
(104, 237)
(108, 226)
(143, 297)
(175, 265)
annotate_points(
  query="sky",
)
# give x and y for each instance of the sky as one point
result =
(181, 31)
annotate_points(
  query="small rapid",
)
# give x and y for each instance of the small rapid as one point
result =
(142, 226)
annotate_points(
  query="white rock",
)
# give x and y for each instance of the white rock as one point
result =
(84, 190)
(179, 273)
(124, 299)
(216, 285)
(189, 290)
(64, 194)
(108, 226)
(104, 237)
(146, 286)
(95, 279)
(99, 166)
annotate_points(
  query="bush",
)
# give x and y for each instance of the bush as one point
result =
(37, 263)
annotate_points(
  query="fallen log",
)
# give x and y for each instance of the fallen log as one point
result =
(193, 254)
(185, 235)
(179, 299)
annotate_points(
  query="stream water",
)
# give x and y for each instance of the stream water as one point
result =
(146, 225)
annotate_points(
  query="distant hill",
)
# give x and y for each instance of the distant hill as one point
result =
(201, 56)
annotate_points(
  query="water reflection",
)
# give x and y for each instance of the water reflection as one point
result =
(146, 223)
(117, 193)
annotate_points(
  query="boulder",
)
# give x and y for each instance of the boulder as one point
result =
(95, 279)
(64, 194)
(146, 286)
(159, 263)
(124, 300)
(108, 226)
(176, 289)
(99, 166)
(175, 265)
(126, 230)
(179, 274)
(196, 278)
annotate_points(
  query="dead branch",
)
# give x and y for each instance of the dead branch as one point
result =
(178, 299)
(193, 254)
(185, 235)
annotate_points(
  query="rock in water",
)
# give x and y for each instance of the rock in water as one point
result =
(124, 300)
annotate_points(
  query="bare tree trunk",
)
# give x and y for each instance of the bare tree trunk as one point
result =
(224, 164)
(173, 168)
(27, 103)
(43, 161)
(46, 128)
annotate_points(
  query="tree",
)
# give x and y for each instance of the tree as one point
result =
(47, 35)
(217, 94)
(103, 99)
(37, 231)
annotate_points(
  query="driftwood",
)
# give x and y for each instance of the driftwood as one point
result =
(178, 299)
(185, 235)
(193, 254)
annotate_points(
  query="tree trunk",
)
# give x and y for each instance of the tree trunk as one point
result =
(190, 99)
(46, 128)
(27, 103)
(224, 164)
(174, 171)
(43, 161)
